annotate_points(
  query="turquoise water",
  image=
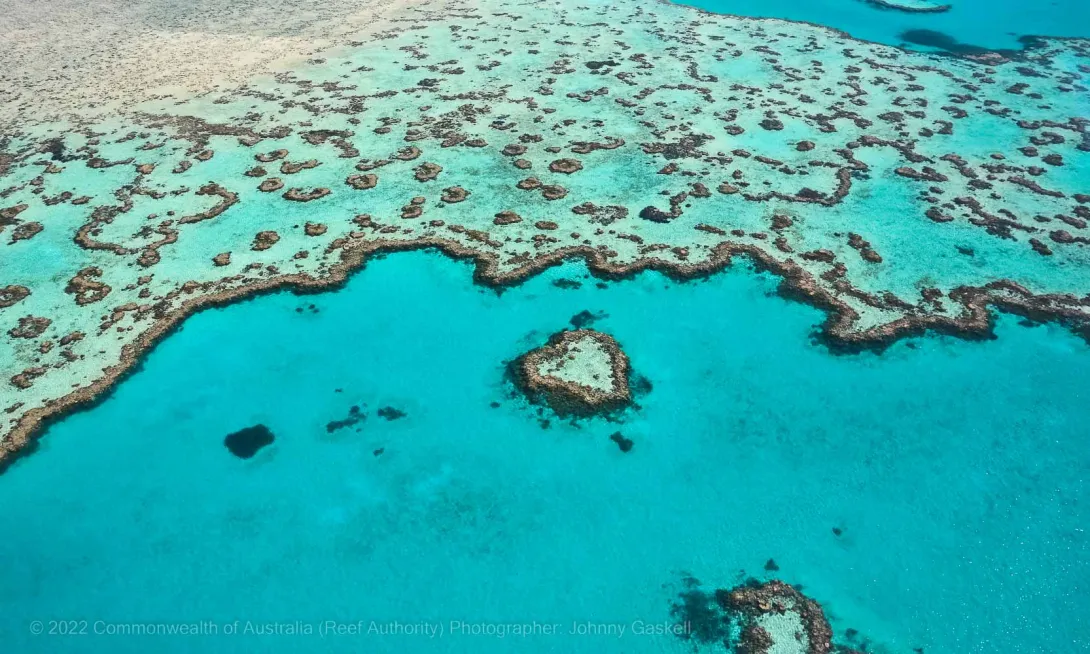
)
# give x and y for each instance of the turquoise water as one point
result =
(956, 472)
(991, 24)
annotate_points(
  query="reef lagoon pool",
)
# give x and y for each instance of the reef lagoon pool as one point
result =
(968, 26)
(929, 497)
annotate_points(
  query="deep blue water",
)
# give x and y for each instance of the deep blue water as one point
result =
(956, 471)
(989, 24)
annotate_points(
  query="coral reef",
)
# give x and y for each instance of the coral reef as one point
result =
(247, 442)
(580, 372)
(756, 617)
(773, 616)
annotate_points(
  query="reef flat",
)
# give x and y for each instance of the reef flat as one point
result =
(898, 191)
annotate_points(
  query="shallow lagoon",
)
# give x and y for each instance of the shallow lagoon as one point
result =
(989, 24)
(956, 472)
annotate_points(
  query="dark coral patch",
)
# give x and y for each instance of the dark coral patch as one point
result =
(390, 413)
(427, 171)
(362, 182)
(454, 194)
(245, 443)
(625, 444)
(565, 166)
(11, 294)
(271, 184)
(585, 319)
(700, 611)
(355, 416)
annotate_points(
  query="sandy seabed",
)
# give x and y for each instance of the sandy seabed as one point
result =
(73, 56)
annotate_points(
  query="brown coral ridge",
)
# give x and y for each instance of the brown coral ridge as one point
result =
(752, 601)
(569, 398)
(227, 200)
(836, 331)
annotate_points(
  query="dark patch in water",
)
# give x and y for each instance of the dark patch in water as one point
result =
(699, 610)
(624, 443)
(640, 385)
(245, 443)
(586, 318)
(771, 565)
(355, 415)
(390, 413)
(942, 41)
(567, 283)
(379, 451)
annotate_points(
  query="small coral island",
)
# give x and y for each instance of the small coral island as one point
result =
(775, 617)
(577, 373)
(761, 617)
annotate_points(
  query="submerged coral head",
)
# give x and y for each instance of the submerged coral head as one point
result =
(247, 442)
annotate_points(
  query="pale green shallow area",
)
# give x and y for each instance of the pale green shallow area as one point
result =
(585, 362)
(787, 632)
(686, 92)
